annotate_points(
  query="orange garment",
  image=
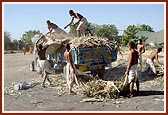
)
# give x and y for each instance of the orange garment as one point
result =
(30, 50)
(24, 50)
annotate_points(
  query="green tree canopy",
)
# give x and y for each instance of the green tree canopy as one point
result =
(7, 40)
(130, 34)
(131, 31)
(105, 30)
(26, 37)
(145, 27)
(9, 44)
(108, 31)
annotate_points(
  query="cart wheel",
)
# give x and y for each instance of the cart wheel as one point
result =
(100, 72)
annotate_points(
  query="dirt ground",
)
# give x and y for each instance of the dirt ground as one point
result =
(56, 99)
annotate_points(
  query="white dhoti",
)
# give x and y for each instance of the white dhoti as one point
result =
(133, 73)
(45, 66)
(149, 63)
(82, 25)
(70, 76)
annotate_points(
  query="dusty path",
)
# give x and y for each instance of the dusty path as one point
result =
(16, 69)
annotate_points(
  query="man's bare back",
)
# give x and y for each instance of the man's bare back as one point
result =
(52, 25)
(77, 16)
(134, 57)
(153, 55)
(66, 56)
(41, 52)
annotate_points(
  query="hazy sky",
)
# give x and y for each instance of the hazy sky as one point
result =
(19, 18)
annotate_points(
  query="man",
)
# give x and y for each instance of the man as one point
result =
(44, 64)
(70, 69)
(132, 70)
(81, 20)
(141, 50)
(52, 26)
(24, 50)
(153, 55)
(30, 50)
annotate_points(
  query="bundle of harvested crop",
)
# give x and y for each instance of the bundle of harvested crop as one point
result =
(105, 89)
(90, 42)
(101, 88)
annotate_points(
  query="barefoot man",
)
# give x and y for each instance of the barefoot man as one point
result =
(132, 70)
(81, 20)
(141, 50)
(52, 26)
(153, 55)
(44, 64)
(70, 69)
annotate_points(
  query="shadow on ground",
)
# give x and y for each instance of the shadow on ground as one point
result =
(142, 93)
(147, 93)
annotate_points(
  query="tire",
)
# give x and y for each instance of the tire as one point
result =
(99, 72)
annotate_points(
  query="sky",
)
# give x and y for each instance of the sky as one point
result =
(21, 17)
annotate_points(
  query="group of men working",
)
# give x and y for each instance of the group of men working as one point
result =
(41, 50)
(131, 72)
(82, 23)
(135, 56)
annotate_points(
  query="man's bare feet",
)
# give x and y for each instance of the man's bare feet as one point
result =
(131, 95)
(43, 86)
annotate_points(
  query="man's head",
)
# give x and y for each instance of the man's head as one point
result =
(131, 45)
(40, 46)
(67, 46)
(71, 12)
(140, 41)
(159, 50)
(48, 22)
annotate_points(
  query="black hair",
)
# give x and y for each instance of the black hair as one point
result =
(132, 44)
(71, 11)
(159, 50)
(67, 46)
(140, 40)
(40, 46)
(48, 21)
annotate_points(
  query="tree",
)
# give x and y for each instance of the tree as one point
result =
(130, 35)
(144, 38)
(15, 44)
(7, 40)
(72, 31)
(145, 27)
(26, 37)
(105, 30)
(88, 29)
(109, 31)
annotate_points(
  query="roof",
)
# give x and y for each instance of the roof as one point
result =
(153, 37)
(156, 37)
